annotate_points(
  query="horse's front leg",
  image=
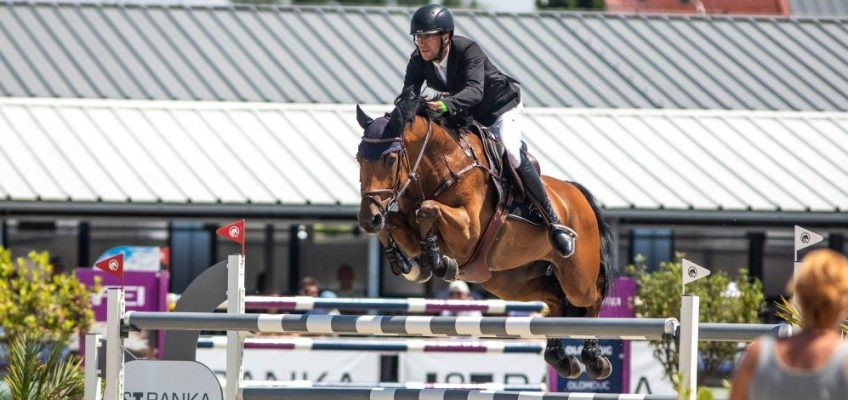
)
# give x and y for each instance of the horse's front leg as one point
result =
(400, 246)
(453, 223)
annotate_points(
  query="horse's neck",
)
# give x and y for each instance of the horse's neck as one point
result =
(441, 157)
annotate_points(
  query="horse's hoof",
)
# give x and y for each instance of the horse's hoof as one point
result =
(450, 269)
(418, 275)
(569, 368)
(600, 369)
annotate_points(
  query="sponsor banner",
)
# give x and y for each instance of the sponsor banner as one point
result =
(502, 368)
(648, 376)
(143, 290)
(615, 350)
(138, 258)
(317, 366)
(166, 380)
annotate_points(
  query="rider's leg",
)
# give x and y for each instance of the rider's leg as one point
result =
(508, 129)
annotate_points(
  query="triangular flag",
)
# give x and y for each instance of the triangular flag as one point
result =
(692, 272)
(233, 231)
(113, 265)
(805, 238)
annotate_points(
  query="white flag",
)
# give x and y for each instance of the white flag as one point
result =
(805, 238)
(692, 272)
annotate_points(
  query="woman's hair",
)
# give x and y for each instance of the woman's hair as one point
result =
(821, 288)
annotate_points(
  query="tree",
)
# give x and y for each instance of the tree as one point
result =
(33, 300)
(722, 299)
(570, 4)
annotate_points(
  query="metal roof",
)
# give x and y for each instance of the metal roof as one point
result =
(819, 8)
(357, 55)
(208, 153)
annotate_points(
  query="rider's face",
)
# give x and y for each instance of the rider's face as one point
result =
(428, 44)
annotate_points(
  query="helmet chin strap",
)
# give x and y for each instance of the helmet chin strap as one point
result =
(441, 48)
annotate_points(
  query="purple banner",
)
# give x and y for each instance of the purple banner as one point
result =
(619, 302)
(143, 290)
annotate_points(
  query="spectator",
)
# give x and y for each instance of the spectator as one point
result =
(309, 287)
(459, 291)
(814, 363)
(347, 286)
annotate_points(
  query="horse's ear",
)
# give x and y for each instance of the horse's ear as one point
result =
(363, 119)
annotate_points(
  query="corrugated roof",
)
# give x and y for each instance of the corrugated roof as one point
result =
(818, 8)
(357, 55)
(295, 154)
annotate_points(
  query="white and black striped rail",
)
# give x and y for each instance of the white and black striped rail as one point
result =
(269, 393)
(408, 306)
(397, 385)
(386, 346)
(511, 327)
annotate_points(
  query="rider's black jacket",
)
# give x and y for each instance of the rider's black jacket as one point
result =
(475, 86)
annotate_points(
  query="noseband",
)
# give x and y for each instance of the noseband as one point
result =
(412, 173)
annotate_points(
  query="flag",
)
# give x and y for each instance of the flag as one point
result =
(692, 272)
(113, 265)
(233, 231)
(805, 238)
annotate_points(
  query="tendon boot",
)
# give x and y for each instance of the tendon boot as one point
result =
(561, 237)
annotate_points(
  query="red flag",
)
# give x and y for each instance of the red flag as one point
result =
(113, 265)
(233, 231)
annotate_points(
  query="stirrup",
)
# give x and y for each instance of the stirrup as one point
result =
(564, 249)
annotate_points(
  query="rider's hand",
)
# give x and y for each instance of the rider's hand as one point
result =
(438, 106)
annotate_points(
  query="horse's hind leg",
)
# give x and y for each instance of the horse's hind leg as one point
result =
(535, 282)
(597, 365)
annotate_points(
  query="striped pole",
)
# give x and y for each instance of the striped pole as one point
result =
(409, 306)
(512, 327)
(395, 346)
(398, 385)
(269, 393)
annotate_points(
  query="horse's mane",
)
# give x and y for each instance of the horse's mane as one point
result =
(408, 107)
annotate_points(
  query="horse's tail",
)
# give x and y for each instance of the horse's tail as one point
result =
(606, 275)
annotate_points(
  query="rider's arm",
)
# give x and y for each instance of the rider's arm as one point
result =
(459, 103)
(414, 76)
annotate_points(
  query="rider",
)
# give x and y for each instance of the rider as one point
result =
(474, 87)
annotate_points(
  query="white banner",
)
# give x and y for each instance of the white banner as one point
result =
(472, 368)
(162, 380)
(290, 365)
(646, 373)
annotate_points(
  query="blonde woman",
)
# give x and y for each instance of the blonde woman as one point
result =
(814, 363)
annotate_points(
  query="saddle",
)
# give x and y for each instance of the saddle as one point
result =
(511, 202)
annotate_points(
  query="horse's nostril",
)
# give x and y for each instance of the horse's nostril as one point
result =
(377, 220)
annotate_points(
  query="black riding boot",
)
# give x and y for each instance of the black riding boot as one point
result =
(560, 236)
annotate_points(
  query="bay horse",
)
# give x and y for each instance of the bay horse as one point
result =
(440, 184)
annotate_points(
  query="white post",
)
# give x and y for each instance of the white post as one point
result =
(375, 254)
(688, 347)
(92, 379)
(114, 345)
(235, 339)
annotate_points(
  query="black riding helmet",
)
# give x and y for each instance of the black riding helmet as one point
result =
(431, 18)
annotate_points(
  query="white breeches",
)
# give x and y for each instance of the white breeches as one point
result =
(509, 129)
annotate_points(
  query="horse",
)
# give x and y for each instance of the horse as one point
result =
(428, 193)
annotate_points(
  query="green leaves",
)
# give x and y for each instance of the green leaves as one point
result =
(722, 299)
(34, 300)
(29, 378)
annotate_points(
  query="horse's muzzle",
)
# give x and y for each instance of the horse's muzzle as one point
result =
(371, 218)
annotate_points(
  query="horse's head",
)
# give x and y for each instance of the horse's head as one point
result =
(384, 168)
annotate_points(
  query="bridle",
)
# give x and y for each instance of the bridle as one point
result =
(396, 193)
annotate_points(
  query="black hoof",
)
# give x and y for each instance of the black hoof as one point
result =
(566, 366)
(450, 269)
(600, 369)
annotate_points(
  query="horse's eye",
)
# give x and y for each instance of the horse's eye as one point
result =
(390, 161)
